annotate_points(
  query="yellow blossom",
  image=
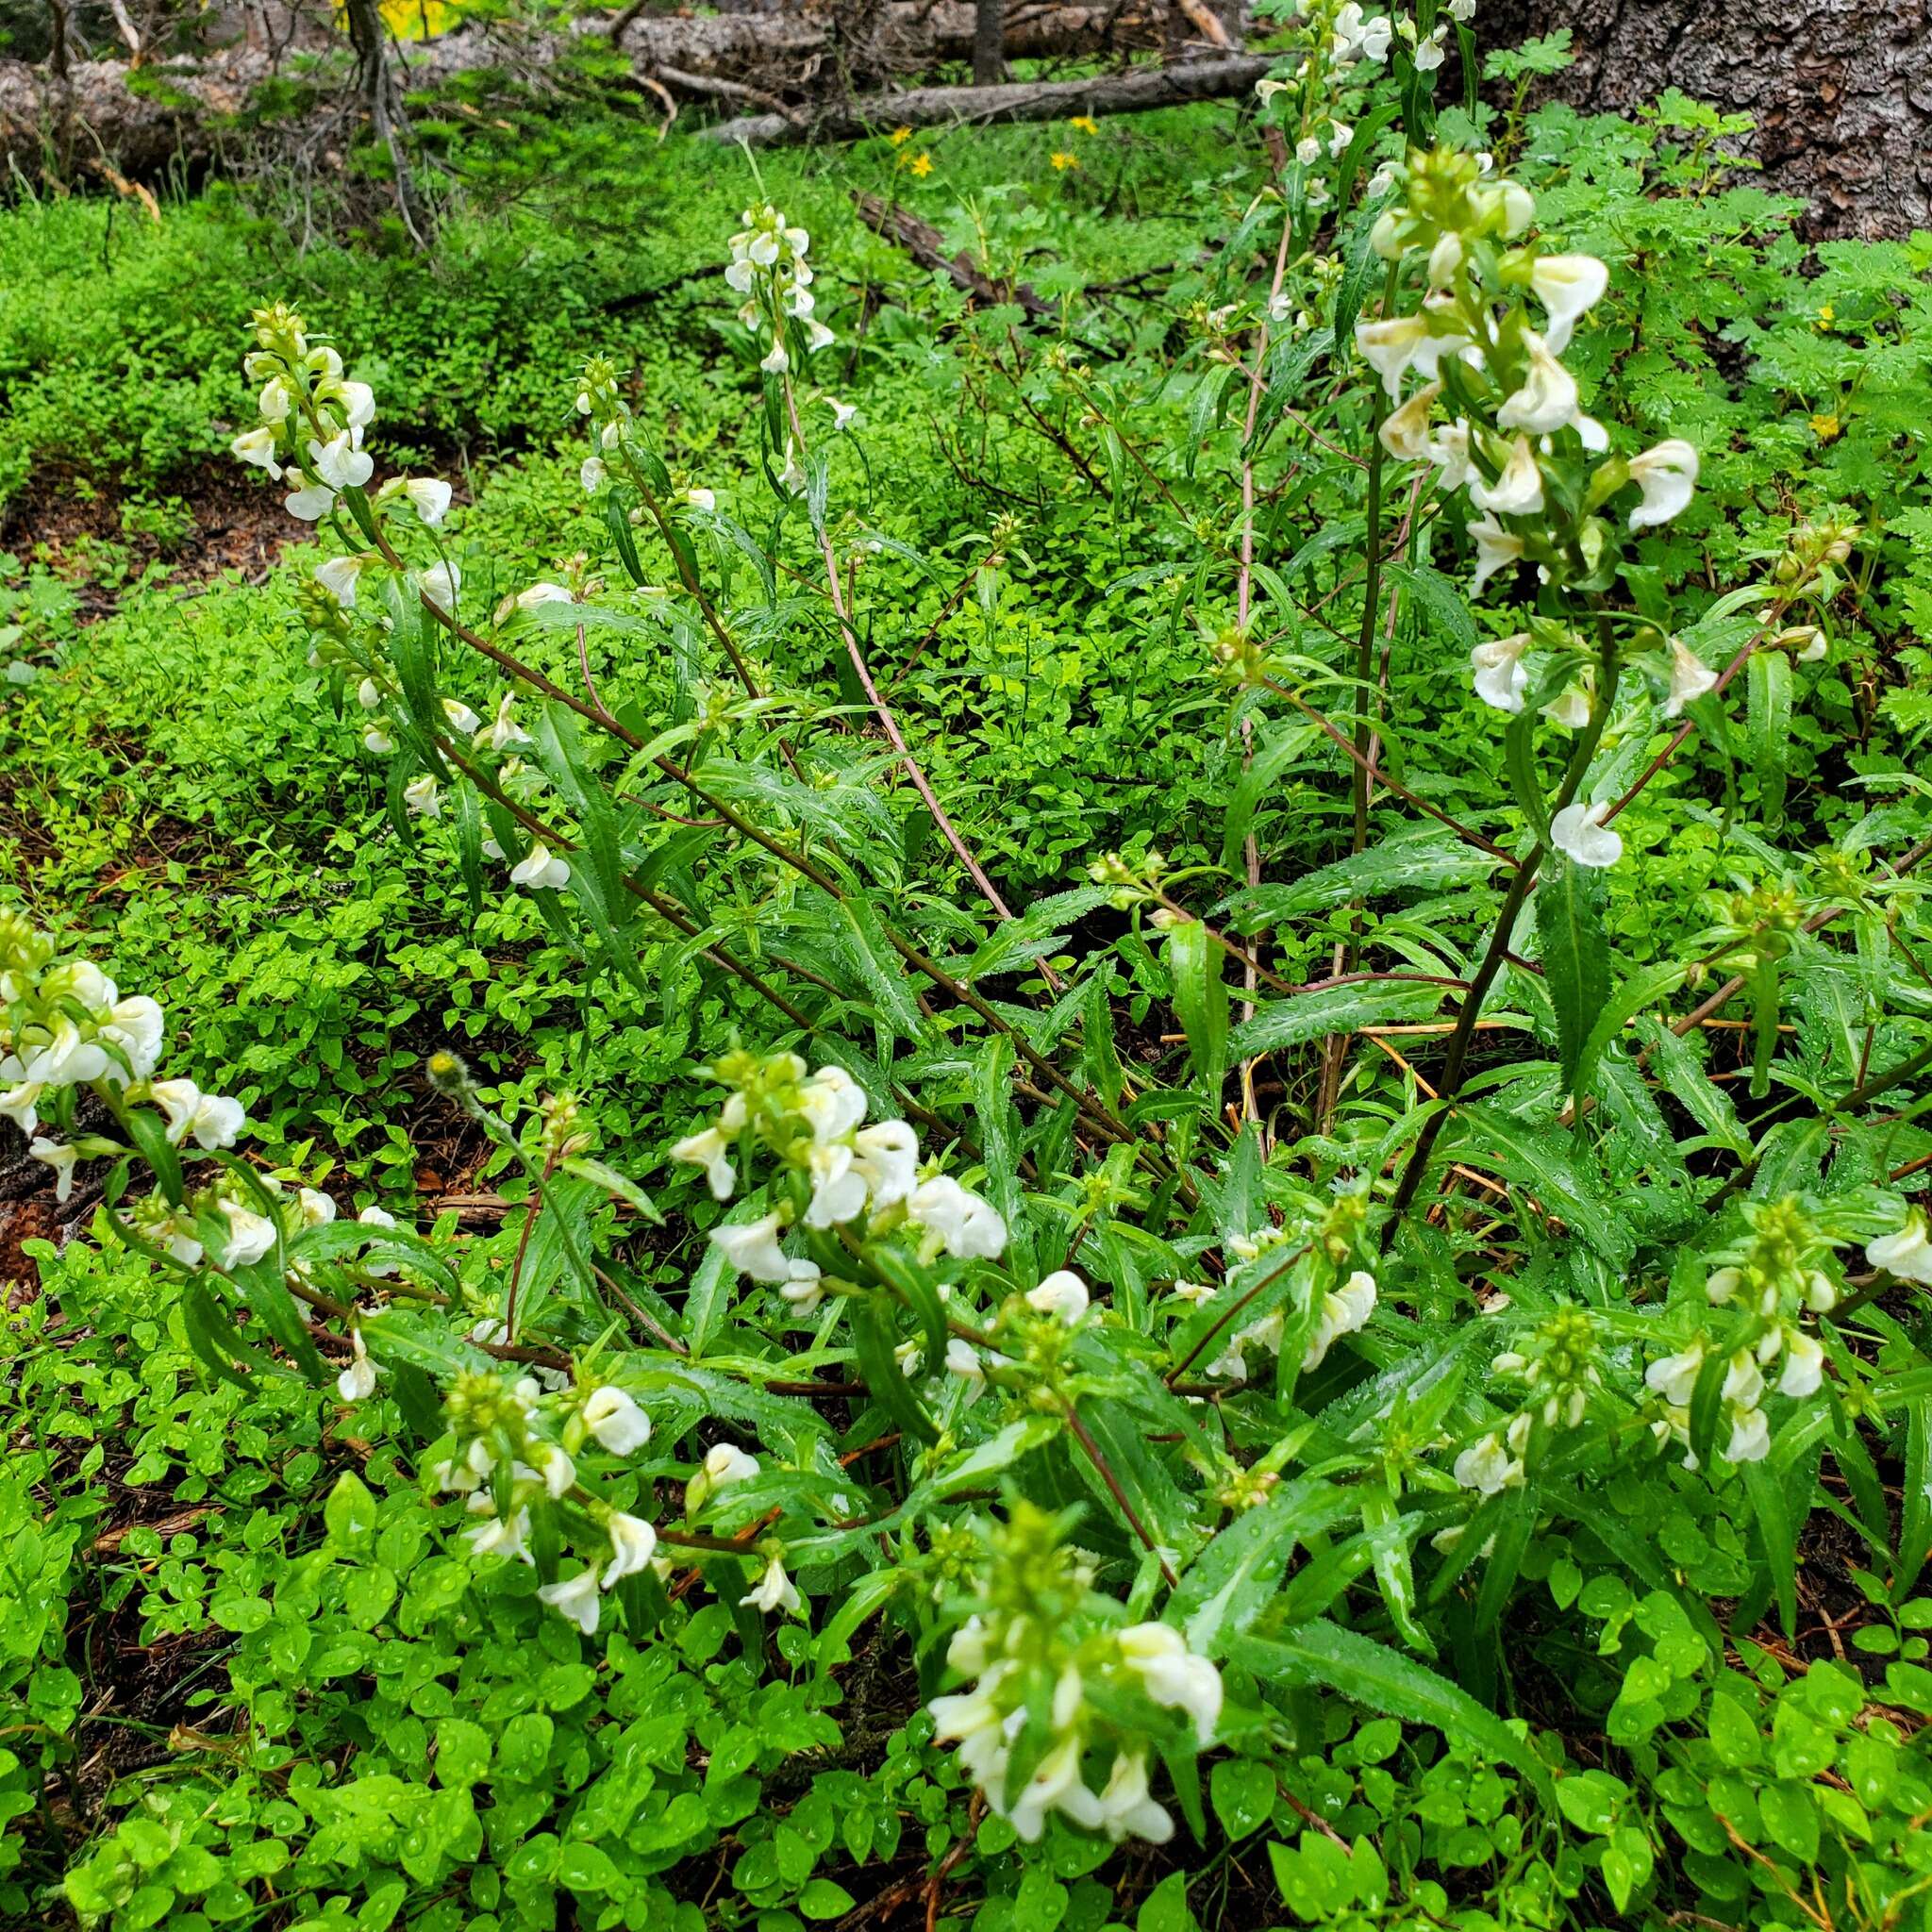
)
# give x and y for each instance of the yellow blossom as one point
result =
(900, 136)
(1064, 161)
(1085, 122)
(921, 164)
(1824, 427)
(1826, 316)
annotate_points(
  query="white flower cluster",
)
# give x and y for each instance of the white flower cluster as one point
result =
(310, 433)
(225, 1224)
(1771, 1281)
(1511, 407)
(815, 1125)
(769, 269)
(1344, 1310)
(519, 1445)
(1150, 1660)
(1558, 1369)
(64, 1025)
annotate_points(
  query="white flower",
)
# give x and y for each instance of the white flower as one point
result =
(1449, 451)
(463, 721)
(314, 1207)
(64, 1059)
(503, 730)
(842, 413)
(1494, 548)
(1343, 1312)
(804, 1290)
(428, 497)
(273, 400)
(700, 498)
(886, 1159)
(1579, 833)
(377, 740)
(337, 577)
(773, 1591)
(1486, 1467)
(61, 1159)
(838, 1189)
(1062, 1295)
(592, 475)
(1570, 708)
(710, 1151)
(776, 362)
(250, 1236)
(502, 1536)
(537, 870)
(358, 403)
(1674, 1376)
(963, 1360)
(1667, 475)
(136, 1025)
(1906, 1254)
(356, 1383)
(1750, 1437)
(1405, 431)
(633, 1542)
(440, 583)
(832, 1102)
(258, 447)
(1501, 675)
(1428, 56)
(212, 1120)
(1126, 1809)
(339, 463)
(1691, 678)
(369, 694)
(308, 501)
(372, 1216)
(1463, 10)
(614, 1418)
(1055, 1785)
(1308, 151)
(21, 1103)
(968, 1226)
(576, 1598)
(1569, 287)
(728, 1464)
(1804, 1371)
(752, 1248)
(1173, 1675)
(422, 796)
(1389, 347)
(1518, 492)
(1547, 400)
(543, 592)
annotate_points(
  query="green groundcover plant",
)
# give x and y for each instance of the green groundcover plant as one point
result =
(1232, 1390)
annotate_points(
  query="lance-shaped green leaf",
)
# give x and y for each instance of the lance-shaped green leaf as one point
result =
(1577, 969)
(1199, 1000)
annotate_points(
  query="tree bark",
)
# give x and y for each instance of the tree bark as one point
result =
(988, 43)
(1840, 90)
(1134, 92)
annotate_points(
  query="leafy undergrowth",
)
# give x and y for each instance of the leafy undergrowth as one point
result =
(253, 1676)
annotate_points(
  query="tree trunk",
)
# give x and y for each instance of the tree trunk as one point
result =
(988, 43)
(1840, 90)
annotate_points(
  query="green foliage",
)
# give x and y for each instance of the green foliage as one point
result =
(253, 1673)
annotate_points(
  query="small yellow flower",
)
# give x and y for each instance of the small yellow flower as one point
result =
(1826, 427)
(1085, 122)
(900, 136)
(921, 164)
(1064, 161)
(1826, 316)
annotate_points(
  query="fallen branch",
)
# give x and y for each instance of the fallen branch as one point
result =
(1134, 92)
(925, 244)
